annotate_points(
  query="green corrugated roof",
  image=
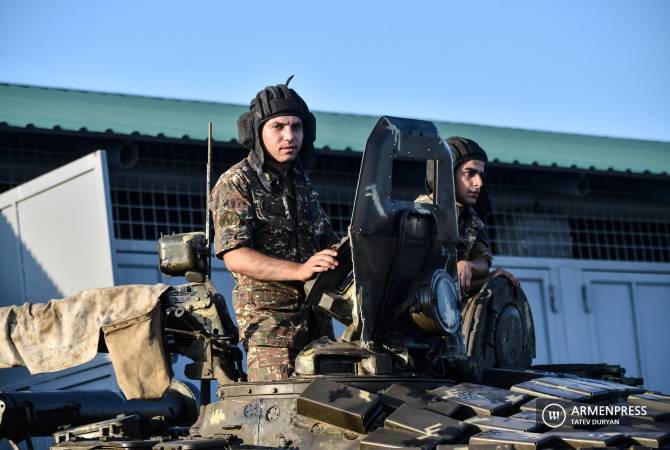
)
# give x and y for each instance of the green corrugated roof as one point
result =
(47, 108)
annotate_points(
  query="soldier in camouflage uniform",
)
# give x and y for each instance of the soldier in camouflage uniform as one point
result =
(474, 252)
(272, 233)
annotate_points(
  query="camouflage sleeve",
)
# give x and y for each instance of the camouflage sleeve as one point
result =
(233, 214)
(482, 247)
(328, 236)
(323, 228)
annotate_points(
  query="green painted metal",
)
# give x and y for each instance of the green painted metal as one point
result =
(72, 110)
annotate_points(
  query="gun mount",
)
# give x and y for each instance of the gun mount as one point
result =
(416, 366)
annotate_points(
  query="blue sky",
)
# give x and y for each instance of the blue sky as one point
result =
(592, 67)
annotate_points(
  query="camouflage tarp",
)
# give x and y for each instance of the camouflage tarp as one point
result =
(64, 333)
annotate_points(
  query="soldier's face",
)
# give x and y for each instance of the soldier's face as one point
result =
(469, 180)
(282, 137)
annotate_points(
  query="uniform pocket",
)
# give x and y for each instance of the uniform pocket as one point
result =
(274, 206)
(272, 213)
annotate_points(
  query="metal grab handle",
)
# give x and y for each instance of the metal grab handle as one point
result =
(552, 299)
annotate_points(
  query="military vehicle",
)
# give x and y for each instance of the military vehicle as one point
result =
(415, 367)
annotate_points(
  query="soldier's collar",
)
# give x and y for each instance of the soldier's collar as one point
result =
(465, 212)
(472, 216)
(257, 165)
(271, 174)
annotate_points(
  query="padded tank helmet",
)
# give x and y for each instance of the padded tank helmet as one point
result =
(463, 150)
(275, 101)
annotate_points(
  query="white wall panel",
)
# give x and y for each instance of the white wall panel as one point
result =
(610, 307)
(579, 338)
(631, 322)
(58, 230)
(652, 313)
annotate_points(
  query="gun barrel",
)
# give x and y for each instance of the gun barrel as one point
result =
(41, 413)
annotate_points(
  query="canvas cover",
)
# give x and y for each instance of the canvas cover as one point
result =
(64, 333)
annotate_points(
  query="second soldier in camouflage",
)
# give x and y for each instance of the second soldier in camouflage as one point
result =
(474, 253)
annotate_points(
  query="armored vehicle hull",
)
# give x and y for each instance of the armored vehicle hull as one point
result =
(395, 412)
(374, 412)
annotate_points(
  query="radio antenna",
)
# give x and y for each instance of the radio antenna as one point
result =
(209, 165)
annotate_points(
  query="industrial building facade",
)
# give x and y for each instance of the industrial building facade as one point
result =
(584, 221)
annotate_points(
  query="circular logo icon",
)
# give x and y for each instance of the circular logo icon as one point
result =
(553, 415)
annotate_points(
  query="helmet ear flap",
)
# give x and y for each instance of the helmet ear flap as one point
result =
(309, 126)
(245, 129)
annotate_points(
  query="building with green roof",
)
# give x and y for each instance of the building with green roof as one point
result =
(68, 110)
(584, 221)
(545, 175)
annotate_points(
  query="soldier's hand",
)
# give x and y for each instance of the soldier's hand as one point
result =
(464, 275)
(500, 272)
(319, 262)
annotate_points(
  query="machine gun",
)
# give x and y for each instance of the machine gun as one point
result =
(198, 323)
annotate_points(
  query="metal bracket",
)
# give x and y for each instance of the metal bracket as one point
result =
(585, 300)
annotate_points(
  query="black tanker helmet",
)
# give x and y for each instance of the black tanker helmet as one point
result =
(463, 150)
(275, 101)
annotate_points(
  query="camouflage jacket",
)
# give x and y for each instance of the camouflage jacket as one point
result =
(282, 218)
(473, 242)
